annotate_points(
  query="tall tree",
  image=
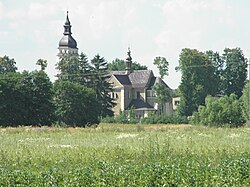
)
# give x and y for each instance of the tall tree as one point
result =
(84, 70)
(68, 67)
(162, 93)
(197, 80)
(100, 84)
(7, 65)
(10, 100)
(76, 105)
(119, 65)
(93, 74)
(218, 68)
(42, 63)
(235, 72)
(162, 65)
(26, 99)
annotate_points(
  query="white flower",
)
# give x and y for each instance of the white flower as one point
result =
(124, 135)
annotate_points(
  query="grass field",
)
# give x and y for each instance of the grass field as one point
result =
(125, 155)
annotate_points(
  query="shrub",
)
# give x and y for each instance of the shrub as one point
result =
(227, 110)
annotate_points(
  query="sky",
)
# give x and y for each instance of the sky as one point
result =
(32, 29)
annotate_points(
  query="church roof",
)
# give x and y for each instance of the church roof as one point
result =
(123, 79)
(137, 78)
(67, 40)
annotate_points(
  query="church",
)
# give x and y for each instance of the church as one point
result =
(132, 89)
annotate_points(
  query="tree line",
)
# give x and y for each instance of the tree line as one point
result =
(79, 97)
(211, 89)
(219, 78)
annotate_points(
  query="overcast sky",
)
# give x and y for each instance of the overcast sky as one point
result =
(31, 29)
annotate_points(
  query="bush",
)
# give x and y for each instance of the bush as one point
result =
(163, 119)
(151, 119)
(227, 110)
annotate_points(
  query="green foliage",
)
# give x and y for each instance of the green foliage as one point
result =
(163, 119)
(219, 65)
(42, 63)
(121, 155)
(93, 74)
(227, 110)
(99, 82)
(75, 104)
(119, 65)
(69, 68)
(244, 99)
(197, 75)
(124, 117)
(26, 99)
(162, 65)
(235, 72)
(7, 65)
(162, 95)
(152, 118)
(209, 73)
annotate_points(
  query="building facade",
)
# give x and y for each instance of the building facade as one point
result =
(135, 89)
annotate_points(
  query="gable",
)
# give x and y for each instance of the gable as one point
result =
(114, 81)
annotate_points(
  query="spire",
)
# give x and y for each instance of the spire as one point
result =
(67, 44)
(67, 19)
(67, 26)
(128, 62)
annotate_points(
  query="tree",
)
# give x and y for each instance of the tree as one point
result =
(75, 69)
(68, 67)
(42, 110)
(10, 100)
(85, 70)
(198, 76)
(26, 99)
(226, 110)
(218, 65)
(93, 74)
(244, 99)
(119, 65)
(7, 65)
(76, 105)
(162, 65)
(162, 95)
(42, 63)
(235, 72)
(100, 84)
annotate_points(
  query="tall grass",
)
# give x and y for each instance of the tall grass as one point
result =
(125, 155)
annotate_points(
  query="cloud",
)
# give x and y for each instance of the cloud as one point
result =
(1, 10)
(199, 24)
(155, 28)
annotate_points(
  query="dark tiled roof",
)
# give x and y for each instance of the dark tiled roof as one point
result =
(152, 83)
(123, 79)
(137, 78)
(138, 103)
(155, 80)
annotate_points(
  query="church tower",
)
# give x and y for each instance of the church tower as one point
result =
(128, 63)
(67, 44)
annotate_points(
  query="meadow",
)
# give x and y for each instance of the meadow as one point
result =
(125, 155)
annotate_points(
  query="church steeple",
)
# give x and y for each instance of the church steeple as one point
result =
(128, 63)
(67, 26)
(67, 44)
